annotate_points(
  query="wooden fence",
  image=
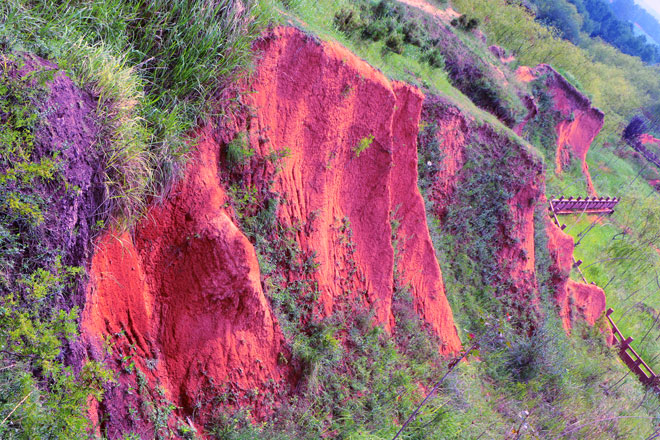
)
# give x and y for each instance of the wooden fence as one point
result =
(627, 354)
(589, 205)
(648, 154)
(630, 357)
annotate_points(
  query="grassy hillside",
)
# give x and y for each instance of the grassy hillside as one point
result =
(541, 385)
(155, 68)
(614, 253)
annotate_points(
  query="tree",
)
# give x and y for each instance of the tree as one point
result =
(562, 15)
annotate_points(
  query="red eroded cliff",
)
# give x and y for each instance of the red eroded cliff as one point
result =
(518, 256)
(417, 263)
(351, 136)
(578, 122)
(459, 141)
(181, 302)
(588, 300)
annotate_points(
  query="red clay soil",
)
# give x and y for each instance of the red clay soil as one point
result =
(518, 253)
(452, 135)
(446, 15)
(321, 102)
(649, 139)
(580, 122)
(182, 299)
(454, 132)
(417, 263)
(588, 300)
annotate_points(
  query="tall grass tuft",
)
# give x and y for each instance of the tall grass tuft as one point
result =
(156, 67)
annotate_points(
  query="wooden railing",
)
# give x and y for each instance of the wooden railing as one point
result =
(627, 354)
(630, 357)
(648, 154)
(589, 205)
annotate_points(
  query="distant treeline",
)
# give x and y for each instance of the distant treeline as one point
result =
(597, 18)
(628, 10)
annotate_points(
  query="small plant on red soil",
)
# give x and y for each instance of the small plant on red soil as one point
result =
(362, 146)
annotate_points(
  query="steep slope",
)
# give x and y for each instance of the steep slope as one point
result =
(576, 122)
(585, 300)
(485, 186)
(352, 160)
(181, 303)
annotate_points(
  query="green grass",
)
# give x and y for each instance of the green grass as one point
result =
(156, 67)
(410, 66)
(619, 251)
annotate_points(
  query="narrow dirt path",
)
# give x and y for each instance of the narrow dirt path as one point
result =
(445, 15)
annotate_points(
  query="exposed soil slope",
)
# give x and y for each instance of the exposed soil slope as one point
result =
(446, 15)
(578, 122)
(585, 300)
(647, 139)
(324, 105)
(460, 141)
(182, 299)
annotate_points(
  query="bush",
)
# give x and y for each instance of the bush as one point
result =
(395, 43)
(465, 23)
(434, 58)
(347, 21)
(238, 152)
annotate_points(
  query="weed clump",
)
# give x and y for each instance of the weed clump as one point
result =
(362, 146)
(395, 43)
(347, 21)
(465, 23)
(238, 152)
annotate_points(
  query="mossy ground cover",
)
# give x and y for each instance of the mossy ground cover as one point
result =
(42, 395)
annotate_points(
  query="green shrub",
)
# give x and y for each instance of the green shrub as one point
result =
(238, 152)
(347, 21)
(375, 30)
(465, 23)
(394, 43)
(434, 58)
(362, 146)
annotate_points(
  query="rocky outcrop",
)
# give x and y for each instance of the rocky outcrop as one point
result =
(577, 123)
(181, 303)
(573, 299)
(351, 135)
